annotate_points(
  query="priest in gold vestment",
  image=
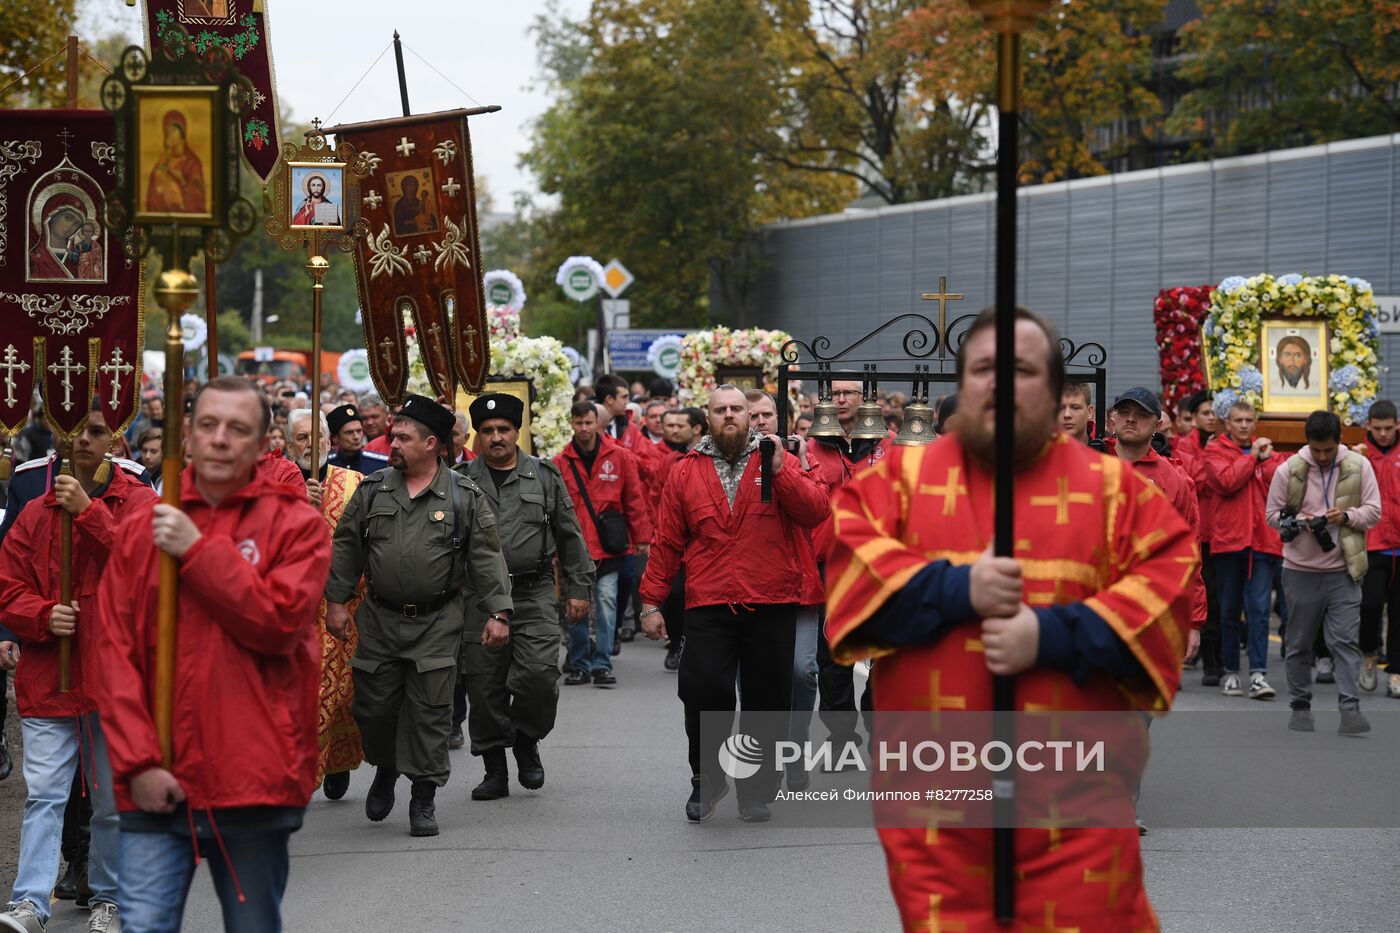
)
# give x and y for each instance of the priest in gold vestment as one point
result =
(1090, 615)
(330, 491)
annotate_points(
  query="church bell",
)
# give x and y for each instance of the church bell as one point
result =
(870, 419)
(919, 418)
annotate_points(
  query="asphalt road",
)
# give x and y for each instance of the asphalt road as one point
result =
(605, 846)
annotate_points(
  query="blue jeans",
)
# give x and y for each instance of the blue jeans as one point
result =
(804, 674)
(1245, 583)
(604, 622)
(157, 869)
(52, 748)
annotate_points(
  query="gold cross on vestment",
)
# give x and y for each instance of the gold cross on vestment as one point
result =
(1062, 500)
(950, 490)
(935, 922)
(1055, 822)
(934, 817)
(1189, 563)
(1049, 926)
(1113, 877)
(1055, 708)
(937, 701)
(942, 297)
(1142, 544)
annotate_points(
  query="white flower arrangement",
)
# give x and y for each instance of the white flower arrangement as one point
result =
(703, 352)
(542, 361)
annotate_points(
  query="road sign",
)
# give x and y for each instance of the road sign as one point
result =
(629, 349)
(618, 313)
(616, 278)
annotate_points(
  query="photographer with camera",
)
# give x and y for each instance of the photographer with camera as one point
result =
(1323, 500)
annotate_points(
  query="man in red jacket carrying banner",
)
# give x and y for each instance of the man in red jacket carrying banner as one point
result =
(1090, 615)
(61, 729)
(712, 519)
(254, 556)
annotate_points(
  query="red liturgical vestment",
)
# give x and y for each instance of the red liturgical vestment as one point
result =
(1088, 531)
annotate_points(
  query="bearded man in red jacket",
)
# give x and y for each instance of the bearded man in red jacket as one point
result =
(61, 728)
(253, 557)
(712, 519)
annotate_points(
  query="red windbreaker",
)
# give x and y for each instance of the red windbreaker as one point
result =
(1385, 535)
(1193, 461)
(1240, 482)
(248, 656)
(1171, 478)
(280, 468)
(834, 469)
(30, 572)
(668, 458)
(647, 454)
(750, 554)
(613, 485)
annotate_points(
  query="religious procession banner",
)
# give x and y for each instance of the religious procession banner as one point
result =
(70, 297)
(240, 27)
(421, 258)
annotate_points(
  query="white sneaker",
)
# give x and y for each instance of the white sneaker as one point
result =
(1324, 671)
(22, 917)
(1230, 686)
(1392, 687)
(104, 919)
(1259, 688)
(1367, 678)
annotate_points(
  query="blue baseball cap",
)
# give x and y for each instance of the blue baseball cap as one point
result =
(1145, 398)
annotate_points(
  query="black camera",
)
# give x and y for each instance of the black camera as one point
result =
(1291, 526)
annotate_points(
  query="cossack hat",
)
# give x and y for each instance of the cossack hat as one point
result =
(340, 417)
(497, 405)
(430, 415)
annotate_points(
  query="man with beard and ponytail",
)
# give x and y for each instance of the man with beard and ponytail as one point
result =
(329, 490)
(61, 730)
(512, 671)
(1090, 615)
(419, 534)
(713, 520)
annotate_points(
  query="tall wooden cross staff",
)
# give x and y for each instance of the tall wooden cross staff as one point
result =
(1008, 18)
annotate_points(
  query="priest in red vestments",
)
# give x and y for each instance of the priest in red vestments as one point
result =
(1090, 615)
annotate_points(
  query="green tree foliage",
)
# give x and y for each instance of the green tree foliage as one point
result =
(1274, 73)
(652, 148)
(31, 31)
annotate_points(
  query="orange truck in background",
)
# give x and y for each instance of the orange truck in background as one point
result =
(285, 364)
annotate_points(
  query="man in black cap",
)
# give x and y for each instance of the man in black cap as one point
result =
(421, 535)
(512, 670)
(348, 436)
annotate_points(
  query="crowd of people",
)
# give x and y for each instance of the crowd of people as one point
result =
(418, 582)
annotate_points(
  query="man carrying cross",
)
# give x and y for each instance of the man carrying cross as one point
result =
(1089, 615)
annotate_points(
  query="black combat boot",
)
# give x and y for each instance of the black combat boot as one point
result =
(421, 811)
(379, 802)
(496, 784)
(335, 784)
(67, 887)
(528, 767)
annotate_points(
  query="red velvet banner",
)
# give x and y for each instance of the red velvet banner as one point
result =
(421, 257)
(71, 300)
(241, 27)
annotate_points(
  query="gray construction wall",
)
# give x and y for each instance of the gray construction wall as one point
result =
(1094, 252)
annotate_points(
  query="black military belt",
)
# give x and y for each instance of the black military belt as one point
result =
(531, 578)
(414, 610)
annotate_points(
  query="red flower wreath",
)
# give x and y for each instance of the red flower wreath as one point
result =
(1178, 313)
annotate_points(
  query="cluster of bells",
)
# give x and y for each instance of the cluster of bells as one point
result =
(916, 429)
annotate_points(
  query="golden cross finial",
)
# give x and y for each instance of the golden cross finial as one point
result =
(316, 124)
(942, 296)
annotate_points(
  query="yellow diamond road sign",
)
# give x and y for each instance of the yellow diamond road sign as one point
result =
(616, 278)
